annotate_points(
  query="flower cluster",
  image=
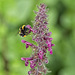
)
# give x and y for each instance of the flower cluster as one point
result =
(41, 35)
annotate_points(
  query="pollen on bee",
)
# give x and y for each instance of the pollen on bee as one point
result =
(23, 26)
(19, 32)
(24, 35)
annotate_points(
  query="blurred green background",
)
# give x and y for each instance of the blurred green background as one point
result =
(15, 13)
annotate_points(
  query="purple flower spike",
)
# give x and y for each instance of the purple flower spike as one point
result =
(41, 36)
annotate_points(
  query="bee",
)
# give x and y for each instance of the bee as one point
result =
(23, 31)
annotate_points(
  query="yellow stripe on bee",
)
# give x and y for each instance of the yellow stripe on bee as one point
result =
(23, 26)
(24, 35)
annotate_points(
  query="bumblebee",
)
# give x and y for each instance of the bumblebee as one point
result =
(23, 31)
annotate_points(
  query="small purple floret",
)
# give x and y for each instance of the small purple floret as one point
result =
(51, 52)
(29, 72)
(27, 43)
(28, 26)
(23, 59)
(40, 54)
(26, 63)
